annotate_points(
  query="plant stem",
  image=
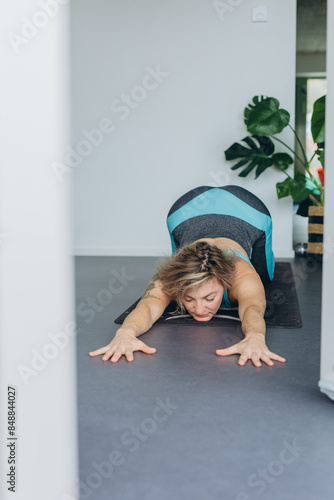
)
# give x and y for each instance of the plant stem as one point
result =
(308, 162)
(316, 202)
(305, 163)
(300, 144)
(312, 157)
(319, 186)
(292, 151)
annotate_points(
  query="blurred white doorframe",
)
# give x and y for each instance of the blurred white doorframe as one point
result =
(326, 382)
(37, 360)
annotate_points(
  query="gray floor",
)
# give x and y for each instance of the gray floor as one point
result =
(185, 423)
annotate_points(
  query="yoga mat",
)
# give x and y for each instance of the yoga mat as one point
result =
(282, 306)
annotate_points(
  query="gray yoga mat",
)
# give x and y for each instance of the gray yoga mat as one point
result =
(282, 306)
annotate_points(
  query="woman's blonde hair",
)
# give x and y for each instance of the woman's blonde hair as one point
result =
(192, 266)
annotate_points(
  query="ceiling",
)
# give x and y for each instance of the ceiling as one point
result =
(311, 26)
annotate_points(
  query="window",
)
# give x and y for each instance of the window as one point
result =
(308, 90)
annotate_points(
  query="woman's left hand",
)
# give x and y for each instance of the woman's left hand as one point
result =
(252, 347)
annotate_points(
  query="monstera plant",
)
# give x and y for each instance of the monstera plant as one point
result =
(264, 120)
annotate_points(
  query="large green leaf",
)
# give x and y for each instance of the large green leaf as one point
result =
(318, 120)
(282, 161)
(294, 188)
(309, 184)
(256, 155)
(264, 117)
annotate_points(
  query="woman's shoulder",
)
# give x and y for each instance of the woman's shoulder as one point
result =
(244, 277)
(243, 268)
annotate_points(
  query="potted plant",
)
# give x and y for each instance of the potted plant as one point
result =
(264, 120)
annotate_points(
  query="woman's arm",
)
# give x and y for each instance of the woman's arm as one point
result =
(148, 310)
(250, 295)
(150, 307)
(251, 305)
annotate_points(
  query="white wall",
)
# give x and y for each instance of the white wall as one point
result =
(327, 337)
(37, 344)
(174, 140)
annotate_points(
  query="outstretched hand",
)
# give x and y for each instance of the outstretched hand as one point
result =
(122, 344)
(253, 348)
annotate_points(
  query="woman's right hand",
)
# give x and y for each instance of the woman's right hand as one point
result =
(122, 344)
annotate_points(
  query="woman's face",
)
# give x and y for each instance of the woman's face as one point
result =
(203, 302)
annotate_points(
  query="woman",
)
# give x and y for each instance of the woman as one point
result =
(222, 256)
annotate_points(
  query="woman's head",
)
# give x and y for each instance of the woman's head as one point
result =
(196, 277)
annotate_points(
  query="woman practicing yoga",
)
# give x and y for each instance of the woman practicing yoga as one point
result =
(222, 256)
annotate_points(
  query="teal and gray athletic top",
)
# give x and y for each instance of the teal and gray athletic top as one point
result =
(225, 212)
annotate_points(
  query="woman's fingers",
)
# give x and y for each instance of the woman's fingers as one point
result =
(256, 360)
(108, 354)
(256, 352)
(276, 357)
(102, 350)
(229, 350)
(267, 360)
(117, 354)
(129, 355)
(128, 352)
(117, 349)
(147, 349)
(243, 360)
(253, 356)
